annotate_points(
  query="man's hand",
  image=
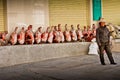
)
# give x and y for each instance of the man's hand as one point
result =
(99, 44)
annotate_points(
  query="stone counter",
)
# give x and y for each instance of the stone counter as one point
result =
(19, 54)
(116, 47)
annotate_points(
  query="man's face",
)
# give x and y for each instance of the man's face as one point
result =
(55, 27)
(22, 28)
(102, 24)
(72, 27)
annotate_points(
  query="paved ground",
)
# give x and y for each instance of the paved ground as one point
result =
(85, 67)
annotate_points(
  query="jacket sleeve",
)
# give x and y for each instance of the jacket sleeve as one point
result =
(97, 37)
(109, 35)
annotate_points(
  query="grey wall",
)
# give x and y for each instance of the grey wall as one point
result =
(18, 54)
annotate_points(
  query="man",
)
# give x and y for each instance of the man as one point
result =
(21, 36)
(57, 37)
(51, 35)
(38, 34)
(103, 40)
(88, 31)
(60, 33)
(44, 35)
(13, 37)
(3, 40)
(94, 30)
(84, 32)
(67, 34)
(29, 35)
(90, 38)
(79, 33)
(73, 34)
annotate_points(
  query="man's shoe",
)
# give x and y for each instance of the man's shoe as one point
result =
(103, 63)
(114, 63)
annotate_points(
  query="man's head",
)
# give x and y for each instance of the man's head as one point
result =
(48, 28)
(39, 29)
(78, 26)
(91, 35)
(52, 28)
(59, 27)
(85, 27)
(72, 27)
(65, 25)
(102, 24)
(55, 28)
(23, 28)
(30, 27)
(16, 29)
(93, 26)
(6, 32)
(88, 27)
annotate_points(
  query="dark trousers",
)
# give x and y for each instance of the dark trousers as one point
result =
(106, 47)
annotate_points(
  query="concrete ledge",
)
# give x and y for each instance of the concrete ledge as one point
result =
(18, 54)
(116, 47)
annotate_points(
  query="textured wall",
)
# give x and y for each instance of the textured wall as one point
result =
(111, 11)
(69, 11)
(24, 12)
(2, 15)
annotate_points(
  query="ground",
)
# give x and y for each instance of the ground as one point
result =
(83, 67)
